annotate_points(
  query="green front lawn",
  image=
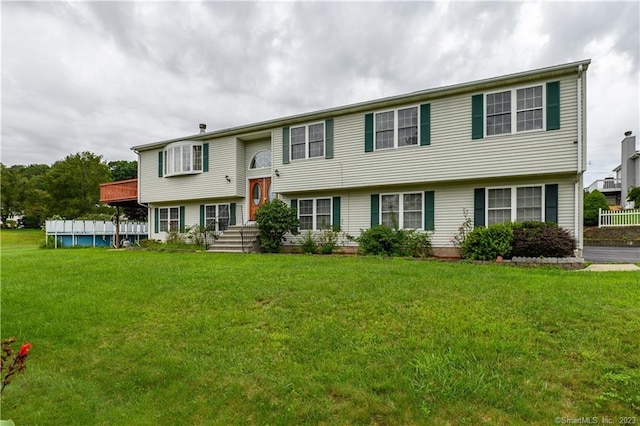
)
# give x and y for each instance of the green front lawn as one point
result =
(138, 337)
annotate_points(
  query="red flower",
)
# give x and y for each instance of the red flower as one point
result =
(25, 348)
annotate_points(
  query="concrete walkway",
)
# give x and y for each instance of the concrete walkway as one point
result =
(611, 267)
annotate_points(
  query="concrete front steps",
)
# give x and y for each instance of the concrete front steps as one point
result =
(231, 240)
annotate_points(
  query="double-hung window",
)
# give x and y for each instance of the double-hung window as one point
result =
(396, 128)
(519, 109)
(307, 141)
(402, 210)
(315, 214)
(182, 159)
(216, 217)
(529, 109)
(169, 219)
(515, 204)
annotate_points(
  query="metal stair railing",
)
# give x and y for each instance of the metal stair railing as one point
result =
(247, 238)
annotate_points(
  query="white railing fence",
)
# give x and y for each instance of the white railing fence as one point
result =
(618, 218)
(79, 229)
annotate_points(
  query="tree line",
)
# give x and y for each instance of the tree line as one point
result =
(69, 189)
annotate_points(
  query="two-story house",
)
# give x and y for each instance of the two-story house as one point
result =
(508, 148)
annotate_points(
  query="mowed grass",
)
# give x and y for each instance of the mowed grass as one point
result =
(137, 337)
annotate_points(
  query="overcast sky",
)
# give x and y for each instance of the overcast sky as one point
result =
(105, 76)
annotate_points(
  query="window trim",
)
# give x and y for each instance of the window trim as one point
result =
(401, 208)
(514, 109)
(216, 227)
(170, 162)
(514, 200)
(307, 145)
(315, 226)
(417, 107)
(168, 219)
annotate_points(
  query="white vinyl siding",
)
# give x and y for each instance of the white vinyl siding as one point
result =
(452, 155)
(224, 156)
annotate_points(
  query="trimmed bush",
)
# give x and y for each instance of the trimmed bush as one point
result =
(523, 239)
(274, 219)
(488, 243)
(382, 240)
(379, 240)
(540, 239)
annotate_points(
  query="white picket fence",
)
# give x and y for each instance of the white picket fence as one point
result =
(618, 218)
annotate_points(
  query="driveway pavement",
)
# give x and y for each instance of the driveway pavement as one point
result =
(611, 254)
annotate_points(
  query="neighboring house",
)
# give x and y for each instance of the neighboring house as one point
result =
(629, 169)
(627, 175)
(508, 148)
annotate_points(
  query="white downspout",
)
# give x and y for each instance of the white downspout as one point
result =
(578, 187)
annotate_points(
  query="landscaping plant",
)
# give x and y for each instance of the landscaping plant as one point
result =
(275, 219)
(12, 363)
(518, 239)
(593, 201)
(382, 240)
(541, 239)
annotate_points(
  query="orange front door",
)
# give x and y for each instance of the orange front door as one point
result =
(259, 193)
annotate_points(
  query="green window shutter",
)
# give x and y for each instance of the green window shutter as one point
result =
(478, 206)
(205, 157)
(553, 105)
(181, 218)
(551, 203)
(156, 220)
(336, 213)
(328, 142)
(294, 204)
(160, 165)
(285, 145)
(202, 215)
(477, 116)
(368, 133)
(375, 209)
(232, 214)
(425, 124)
(429, 211)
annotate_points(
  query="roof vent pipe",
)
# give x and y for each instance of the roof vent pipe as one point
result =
(203, 127)
(627, 133)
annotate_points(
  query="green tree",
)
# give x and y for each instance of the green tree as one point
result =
(274, 219)
(634, 195)
(74, 184)
(593, 201)
(12, 188)
(123, 170)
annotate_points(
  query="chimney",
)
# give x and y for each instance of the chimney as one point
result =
(203, 127)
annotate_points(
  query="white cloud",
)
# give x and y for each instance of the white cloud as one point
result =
(613, 84)
(104, 76)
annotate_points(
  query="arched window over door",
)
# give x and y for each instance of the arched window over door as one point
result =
(261, 160)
